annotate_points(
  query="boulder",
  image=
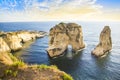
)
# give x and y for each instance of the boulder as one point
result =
(62, 35)
(105, 43)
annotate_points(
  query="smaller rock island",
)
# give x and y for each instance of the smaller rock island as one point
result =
(105, 44)
(62, 35)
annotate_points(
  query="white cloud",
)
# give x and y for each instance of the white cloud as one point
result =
(53, 10)
(56, 4)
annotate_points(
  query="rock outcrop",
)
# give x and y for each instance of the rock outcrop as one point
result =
(105, 44)
(13, 41)
(62, 35)
(30, 35)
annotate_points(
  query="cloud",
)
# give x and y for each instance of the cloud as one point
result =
(34, 10)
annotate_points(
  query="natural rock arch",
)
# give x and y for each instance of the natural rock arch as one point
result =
(62, 35)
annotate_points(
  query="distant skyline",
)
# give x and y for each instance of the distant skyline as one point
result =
(59, 10)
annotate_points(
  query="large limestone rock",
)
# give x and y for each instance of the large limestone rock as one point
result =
(105, 44)
(62, 35)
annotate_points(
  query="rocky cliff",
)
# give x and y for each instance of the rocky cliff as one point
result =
(62, 35)
(13, 69)
(105, 43)
(13, 41)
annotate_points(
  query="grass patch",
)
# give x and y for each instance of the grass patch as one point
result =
(19, 64)
(67, 77)
(13, 69)
(43, 66)
(10, 72)
(14, 59)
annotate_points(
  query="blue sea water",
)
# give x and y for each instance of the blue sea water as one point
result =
(82, 66)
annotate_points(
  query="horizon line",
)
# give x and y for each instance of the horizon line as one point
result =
(64, 21)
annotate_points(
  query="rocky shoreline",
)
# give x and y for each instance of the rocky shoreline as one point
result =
(61, 36)
(13, 41)
(13, 69)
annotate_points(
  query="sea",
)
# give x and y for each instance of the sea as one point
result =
(81, 66)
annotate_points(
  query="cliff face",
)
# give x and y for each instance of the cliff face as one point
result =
(3, 46)
(105, 42)
(63, 35)
(13, 41)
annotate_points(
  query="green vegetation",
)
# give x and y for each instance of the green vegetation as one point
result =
(43, 66)
(14, 59)
(19, 63)
(11, 72)
(67, 77)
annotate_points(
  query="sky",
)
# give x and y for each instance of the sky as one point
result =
(59, 10)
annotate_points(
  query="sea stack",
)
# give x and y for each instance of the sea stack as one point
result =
(105, 43)
(62, 35)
